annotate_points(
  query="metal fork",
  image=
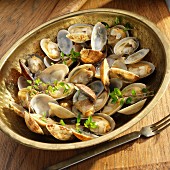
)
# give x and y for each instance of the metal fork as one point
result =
(146, 131)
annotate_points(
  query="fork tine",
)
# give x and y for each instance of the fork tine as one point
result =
(162, 120)
(158, 131)
(160, 125)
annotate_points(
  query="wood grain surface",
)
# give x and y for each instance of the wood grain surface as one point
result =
(17, 17)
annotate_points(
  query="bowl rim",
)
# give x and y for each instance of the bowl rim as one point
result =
(132, 122)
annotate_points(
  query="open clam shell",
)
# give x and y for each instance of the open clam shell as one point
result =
(82, 74)
(63, 91)
(35, 64)
(112, 108)
(60, 132)
(101, 101)
(50, 49)
(142, 68)
(119, 63)
(80, 33)
(84, 136)
(41, 120)
(89, 56)
(104, 123)
(22, 82)
(134, 108)
(64, 43)
(99, 37)
(53, 73)
(86, 107)
(40, 104)
(59, 111)
(18, 109)
(97, 87)
(137, 87)
(87, 91)
(25, 70)
(104, 73)
(24, 97)
(126, 76)
(126, 46)
(116, 33)
(32, 124)
(115, 83)
(136, 57)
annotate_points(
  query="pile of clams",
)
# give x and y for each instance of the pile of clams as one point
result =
(89, 74)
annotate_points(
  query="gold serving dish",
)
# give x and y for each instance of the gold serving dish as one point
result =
(149, 37)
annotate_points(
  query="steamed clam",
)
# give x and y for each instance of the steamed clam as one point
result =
(142, 68)
(126, 46)
(80, 33)
(82, 74)
(116, 33)
(50, 49)
(89, 74)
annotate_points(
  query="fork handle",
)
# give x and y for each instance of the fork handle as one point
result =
(96, 151)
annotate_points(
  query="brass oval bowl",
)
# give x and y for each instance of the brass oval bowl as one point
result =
(149, 36)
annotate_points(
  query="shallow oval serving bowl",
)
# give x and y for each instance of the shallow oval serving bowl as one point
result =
(149, 37)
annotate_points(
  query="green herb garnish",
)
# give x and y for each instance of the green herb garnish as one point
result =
(105, 24)
(118, 21)
(78, 122)
(62, 122)
(133, 93)
(128, 100)
(128, 27)
(89, 123)
(115, 95)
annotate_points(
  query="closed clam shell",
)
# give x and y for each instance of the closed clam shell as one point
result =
(124, 75)
(137, 56)
(53, 73)
(60, 132)
(104, 122)
(89, 56)
(142, 68)
(32, 124)
(50, 49)
(39, 103)
(99, 37)
(59, 111)
(126, 46)
(134, 108)
(82, 74)
(64, 43)
(24, 97)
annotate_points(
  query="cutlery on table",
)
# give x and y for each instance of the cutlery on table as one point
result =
(146, 131)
